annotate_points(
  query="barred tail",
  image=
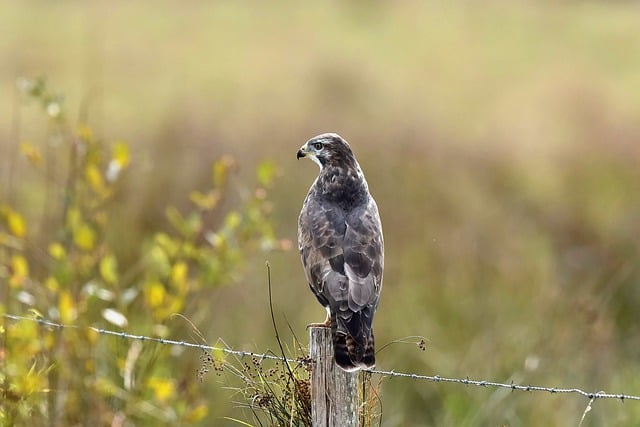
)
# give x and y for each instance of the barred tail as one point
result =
(354, 350)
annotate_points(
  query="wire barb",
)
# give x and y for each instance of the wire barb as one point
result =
(592, 396)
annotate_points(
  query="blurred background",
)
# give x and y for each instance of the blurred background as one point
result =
(501, 140)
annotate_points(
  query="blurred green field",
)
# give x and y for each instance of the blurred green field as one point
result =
(500, 139)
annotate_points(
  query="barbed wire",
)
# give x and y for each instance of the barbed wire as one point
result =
(163, 341)
(512, 386)
(433, 378)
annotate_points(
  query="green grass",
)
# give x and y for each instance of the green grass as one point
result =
(500, 140)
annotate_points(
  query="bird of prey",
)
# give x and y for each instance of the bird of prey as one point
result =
(342, 249)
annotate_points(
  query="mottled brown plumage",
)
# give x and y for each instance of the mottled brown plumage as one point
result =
(342, 249)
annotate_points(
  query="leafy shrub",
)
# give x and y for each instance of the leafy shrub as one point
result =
(59, 260)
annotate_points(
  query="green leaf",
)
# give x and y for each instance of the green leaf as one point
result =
(57, 251)
(193, 224)
(266, 172)
(175, 218)
(154, 294)
(84, 237)
(15, 222)
(205, 201)
(221, 169)
(232, 220)
(19, 268)
(32, 153)
(168, 244)
(120, 154)
(159, 261)
(109, 269)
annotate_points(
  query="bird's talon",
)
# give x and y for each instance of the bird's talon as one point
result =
(325, 324)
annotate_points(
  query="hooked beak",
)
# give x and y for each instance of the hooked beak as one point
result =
(301, 153)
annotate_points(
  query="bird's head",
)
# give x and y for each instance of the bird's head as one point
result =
(328, 149)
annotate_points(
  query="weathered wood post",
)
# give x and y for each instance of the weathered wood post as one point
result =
(334, 392)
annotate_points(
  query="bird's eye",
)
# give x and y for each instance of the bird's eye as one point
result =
(317, 145)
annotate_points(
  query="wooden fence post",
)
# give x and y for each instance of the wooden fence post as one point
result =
(334, 392)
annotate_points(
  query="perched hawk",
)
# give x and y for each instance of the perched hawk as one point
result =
(341, 246)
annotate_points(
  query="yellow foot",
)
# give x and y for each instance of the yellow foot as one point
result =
(320, 325)
(325, 324)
